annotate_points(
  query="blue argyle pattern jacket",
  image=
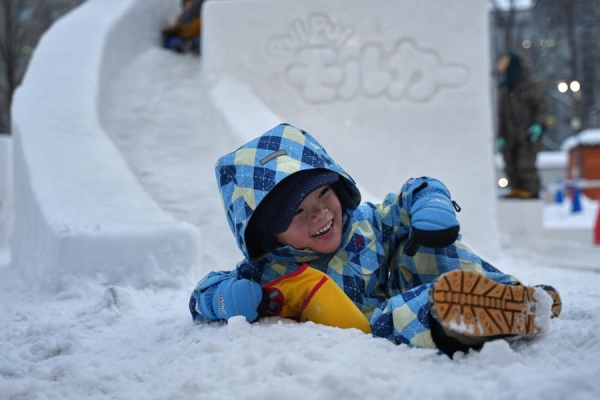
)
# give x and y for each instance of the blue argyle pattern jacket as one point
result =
(389, 287)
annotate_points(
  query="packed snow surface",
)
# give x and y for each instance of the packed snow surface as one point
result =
(96, 341)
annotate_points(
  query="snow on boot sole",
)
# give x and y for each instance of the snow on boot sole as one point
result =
(556, 300)
(474, 305)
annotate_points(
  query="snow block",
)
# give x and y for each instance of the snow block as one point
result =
(352, 71)
(248, 114)
(6, 195)
(79, 211)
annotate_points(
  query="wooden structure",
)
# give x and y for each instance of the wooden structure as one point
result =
(584, 163)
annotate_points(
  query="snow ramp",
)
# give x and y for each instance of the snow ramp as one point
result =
(79, 210)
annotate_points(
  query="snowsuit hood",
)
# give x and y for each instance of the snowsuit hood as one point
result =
(246, 175)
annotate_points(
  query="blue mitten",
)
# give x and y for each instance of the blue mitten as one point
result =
(433, 223)
(238, 297)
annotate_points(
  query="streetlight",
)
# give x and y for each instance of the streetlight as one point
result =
(575, 86)
(563, 87)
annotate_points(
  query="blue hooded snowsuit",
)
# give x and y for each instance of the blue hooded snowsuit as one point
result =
(388, 286)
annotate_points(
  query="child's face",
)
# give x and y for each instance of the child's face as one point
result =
(317, 223)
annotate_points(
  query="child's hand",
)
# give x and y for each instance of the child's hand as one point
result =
(238, 297)
(433, 223)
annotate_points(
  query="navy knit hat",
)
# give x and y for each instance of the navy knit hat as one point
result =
(278, 209)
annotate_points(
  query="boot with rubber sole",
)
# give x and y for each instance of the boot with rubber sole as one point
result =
(473, 305)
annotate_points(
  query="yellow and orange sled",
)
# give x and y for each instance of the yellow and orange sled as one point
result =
(309, 295)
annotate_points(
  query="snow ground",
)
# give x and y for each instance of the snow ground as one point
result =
(95, 342)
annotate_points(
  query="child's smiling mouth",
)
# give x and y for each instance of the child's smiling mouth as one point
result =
(324, 230)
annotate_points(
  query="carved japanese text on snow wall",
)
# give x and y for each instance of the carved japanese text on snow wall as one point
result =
(325, 63)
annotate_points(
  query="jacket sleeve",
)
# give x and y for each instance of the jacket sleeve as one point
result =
(537, 105)
(393, 215)
(202, 298)
(502, 113)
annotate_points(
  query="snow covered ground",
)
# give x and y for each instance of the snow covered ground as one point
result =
(97, 341)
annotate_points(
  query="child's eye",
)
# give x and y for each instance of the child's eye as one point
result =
(324, 191)
(298, 211)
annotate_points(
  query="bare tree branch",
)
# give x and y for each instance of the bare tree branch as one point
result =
(22, 22)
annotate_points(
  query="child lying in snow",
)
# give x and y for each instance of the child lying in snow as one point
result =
(397, 269)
